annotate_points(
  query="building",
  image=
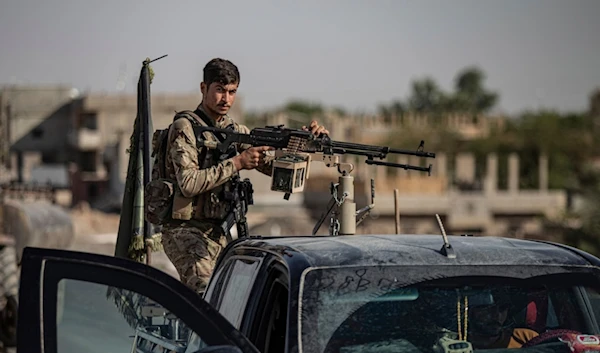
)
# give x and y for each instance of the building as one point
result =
(34, 122)
(100, 134)
(87, 136)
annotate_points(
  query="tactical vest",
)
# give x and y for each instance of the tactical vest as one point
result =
(163, 200)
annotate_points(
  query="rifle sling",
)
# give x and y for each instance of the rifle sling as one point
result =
(209, 122)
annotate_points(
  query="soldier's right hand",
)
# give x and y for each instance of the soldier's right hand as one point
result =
(251, 157)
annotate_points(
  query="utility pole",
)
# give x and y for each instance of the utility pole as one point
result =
(7, 135)
(5, 120)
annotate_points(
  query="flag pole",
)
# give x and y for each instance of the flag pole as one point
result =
(146, 110)
(135, 235)
(146, 138)
(135, 238)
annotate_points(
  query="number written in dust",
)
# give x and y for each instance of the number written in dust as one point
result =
(356, 282)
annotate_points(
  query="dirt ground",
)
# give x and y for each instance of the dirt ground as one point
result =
(96, 232)
(88, 221)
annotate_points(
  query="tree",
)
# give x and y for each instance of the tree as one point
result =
(595, 104)
(426, 96)
(396, 108)
(303, 107)
(339, 111)
(470, 96)
(594, 112)
(586, 236)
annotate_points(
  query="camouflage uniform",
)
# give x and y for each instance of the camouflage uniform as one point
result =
(193, 250)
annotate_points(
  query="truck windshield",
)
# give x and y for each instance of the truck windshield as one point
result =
(444, 310)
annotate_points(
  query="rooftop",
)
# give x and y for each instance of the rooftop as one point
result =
(367, 250)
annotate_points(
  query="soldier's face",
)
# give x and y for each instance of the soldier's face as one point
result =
(217, 97)
(488, 320)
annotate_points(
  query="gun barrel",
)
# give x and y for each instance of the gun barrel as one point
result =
(412, 153)
(361, 149)
(403, 166)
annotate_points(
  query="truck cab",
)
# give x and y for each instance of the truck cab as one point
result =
(360, 293)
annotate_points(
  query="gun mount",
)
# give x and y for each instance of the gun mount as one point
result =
(342, 208)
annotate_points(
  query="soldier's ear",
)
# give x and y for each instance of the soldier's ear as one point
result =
(203, 88)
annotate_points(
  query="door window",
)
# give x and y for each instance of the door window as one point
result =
(236, 290)
(98, 318)
(593, 296)
(271, 323)
(79, 302)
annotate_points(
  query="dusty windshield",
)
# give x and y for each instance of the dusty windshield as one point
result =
(395, 309)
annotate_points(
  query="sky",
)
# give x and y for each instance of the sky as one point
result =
(348, 53)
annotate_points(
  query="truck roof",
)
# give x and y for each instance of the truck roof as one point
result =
(393, 249)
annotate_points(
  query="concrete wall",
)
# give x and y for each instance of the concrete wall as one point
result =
(30, 108)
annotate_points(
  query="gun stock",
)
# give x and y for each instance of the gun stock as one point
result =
(240, 197)
(236, 217)
(226, 226)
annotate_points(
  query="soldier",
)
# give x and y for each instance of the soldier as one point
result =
(201, 179)
(488, 327)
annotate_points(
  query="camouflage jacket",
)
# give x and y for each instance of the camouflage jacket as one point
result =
(201, 182)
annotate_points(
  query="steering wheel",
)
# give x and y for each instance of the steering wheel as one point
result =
(548, 336)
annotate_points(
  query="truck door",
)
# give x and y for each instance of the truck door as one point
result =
(268, 328)
(230, 289)
(252, 292)
(113, 304)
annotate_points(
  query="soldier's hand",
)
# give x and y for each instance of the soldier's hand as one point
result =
(251, 157)
(315, 128)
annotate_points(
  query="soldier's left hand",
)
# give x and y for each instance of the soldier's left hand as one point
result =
(315, 128)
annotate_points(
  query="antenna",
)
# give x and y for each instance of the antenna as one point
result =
(397, 210)
(446, 249)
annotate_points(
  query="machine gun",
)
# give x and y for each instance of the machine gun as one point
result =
(295, 149)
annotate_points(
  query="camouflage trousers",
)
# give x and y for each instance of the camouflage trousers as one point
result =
(194, 252)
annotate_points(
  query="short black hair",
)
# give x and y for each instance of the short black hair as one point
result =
(221, 71)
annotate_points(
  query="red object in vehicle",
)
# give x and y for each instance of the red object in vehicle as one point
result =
(579, 343)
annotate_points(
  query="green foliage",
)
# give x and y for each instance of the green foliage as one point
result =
(252, 119)
(426, 97)
(595, 106)
(586, 236)
(303, 107)
(299, 113)
(469, 96)
(395, 108)
(566, 139)
(150, 70)
(340, 111)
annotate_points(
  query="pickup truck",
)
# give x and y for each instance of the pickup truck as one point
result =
(359, 293)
